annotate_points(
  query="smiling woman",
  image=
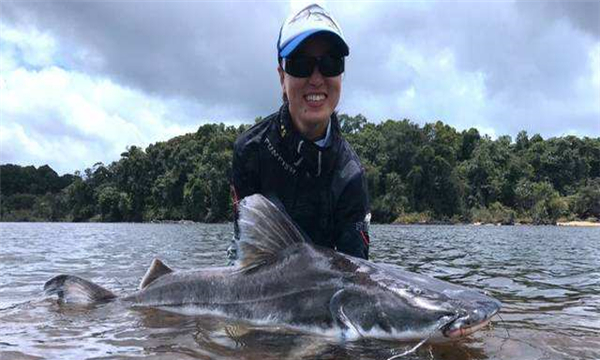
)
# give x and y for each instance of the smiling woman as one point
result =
(312, 91)
(297, 156)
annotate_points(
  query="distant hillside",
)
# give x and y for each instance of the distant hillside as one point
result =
(415, 174)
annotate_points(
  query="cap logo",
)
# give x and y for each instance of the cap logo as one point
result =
(304, 23)
(318, 15)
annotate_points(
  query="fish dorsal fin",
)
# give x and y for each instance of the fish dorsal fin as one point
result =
(156, 270)
(265, 231)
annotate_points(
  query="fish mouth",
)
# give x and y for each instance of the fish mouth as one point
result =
(464, 330)
(469, 323)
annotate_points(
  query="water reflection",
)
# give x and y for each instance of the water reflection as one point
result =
(239, 340)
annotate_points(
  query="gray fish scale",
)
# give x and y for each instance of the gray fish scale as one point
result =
(276, 291)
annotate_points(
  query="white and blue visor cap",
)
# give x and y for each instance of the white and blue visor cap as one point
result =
(305, 23)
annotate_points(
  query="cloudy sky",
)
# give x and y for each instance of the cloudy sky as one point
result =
(81, 80)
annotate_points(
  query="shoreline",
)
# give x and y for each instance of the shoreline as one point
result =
(578, 223)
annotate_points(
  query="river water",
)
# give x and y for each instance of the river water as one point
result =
(548, 279)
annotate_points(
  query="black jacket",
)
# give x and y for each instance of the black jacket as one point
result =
(322, 189)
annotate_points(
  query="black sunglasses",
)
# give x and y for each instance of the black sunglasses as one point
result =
(303, 66)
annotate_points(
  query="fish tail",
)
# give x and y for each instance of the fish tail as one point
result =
(70, 288)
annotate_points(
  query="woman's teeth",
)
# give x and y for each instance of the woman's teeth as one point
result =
(315, 97)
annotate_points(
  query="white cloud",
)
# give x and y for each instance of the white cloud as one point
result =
(68, 119)
(32, 48)
(20, 145)
(486, 130)
(436, 90)
(594, 79)
(78, 83)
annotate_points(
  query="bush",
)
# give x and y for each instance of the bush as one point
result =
(586, 203)
(495, 214)
(547, 212)
(19, 201)
(413, 218)
(113, 205)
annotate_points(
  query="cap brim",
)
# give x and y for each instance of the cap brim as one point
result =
(291, 46)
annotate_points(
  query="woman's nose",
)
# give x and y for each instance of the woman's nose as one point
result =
(316, 78)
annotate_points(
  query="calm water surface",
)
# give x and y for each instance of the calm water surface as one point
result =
(548, 279)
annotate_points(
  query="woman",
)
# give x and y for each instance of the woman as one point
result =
(297, 156)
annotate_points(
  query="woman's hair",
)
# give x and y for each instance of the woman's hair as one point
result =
(284, 97)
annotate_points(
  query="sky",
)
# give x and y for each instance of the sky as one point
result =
(82, 80)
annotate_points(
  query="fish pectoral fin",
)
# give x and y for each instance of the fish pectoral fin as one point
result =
(70, 288)
(339, 316)
(156, 270)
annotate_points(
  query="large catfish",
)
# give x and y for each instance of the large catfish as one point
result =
(284, 280)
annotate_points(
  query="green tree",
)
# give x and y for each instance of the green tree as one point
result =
(113, 204)
(548, 204)
(80, 199)
(470, 139)
(352, 125)
(131, 174)
(587, 200)
(414, 173)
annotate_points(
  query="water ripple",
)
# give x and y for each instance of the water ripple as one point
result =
(547, 278)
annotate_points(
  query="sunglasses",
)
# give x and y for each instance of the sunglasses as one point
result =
(303, 66)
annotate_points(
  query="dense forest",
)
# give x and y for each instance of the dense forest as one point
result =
(428, 174)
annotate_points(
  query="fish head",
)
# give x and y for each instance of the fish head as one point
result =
(473, 311)
(419, 306)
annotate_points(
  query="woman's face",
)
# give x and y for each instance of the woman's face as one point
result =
(312, 100)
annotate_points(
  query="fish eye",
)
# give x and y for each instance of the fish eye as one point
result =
(416, 291)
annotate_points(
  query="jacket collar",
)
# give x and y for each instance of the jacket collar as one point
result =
(315, 160)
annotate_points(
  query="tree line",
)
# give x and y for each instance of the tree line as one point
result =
(428, 174)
